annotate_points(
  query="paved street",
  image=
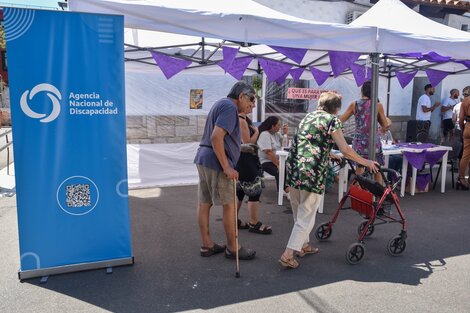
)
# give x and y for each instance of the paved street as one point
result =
(433, 275)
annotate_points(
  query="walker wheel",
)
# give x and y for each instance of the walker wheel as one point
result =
(396, 246)
(324, 231)
(355, 253)
(370, 229)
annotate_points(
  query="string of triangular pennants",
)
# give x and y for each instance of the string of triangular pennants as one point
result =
(278, 71)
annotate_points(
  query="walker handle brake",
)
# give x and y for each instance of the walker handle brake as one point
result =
(384, 170)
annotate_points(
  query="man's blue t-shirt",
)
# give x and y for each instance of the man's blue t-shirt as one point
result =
(224, 114)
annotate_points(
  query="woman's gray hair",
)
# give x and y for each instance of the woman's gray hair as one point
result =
(466, 91)
(240, 87)
(329, 102)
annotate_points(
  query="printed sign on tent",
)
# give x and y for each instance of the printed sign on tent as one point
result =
(305, 93)
(69, 124)
(195, 99)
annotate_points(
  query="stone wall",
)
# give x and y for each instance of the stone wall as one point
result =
(164, 129)
(174, 129)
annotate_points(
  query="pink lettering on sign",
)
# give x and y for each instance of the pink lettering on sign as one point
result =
(306, 93)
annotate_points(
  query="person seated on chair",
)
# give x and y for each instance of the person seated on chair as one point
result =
(269, 141)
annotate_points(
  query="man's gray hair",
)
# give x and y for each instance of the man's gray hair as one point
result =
(329, 102)
(240, 87)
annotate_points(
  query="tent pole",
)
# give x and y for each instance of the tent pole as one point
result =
(373, 104)
(389, 81)
(202, 52)
(263, 98)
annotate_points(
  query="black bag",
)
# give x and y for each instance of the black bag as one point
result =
(252, 188)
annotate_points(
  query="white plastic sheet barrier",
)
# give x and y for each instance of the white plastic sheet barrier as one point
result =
(152, 165)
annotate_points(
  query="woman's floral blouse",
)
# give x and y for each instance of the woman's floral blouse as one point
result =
(308, 159)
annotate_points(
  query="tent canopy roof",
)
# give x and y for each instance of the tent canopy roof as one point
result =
(242, 21)
(385, 28)
(402, 30)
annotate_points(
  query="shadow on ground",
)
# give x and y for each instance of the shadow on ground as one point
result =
(169, 275)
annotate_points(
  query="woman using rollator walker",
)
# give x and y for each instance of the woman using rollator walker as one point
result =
(306, 169)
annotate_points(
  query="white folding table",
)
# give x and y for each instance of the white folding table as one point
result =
(395, 150)
(343, 173)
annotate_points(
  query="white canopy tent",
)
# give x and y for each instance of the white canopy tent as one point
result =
(387, 29)
(242, 21)
(403, 30)
(176, 27)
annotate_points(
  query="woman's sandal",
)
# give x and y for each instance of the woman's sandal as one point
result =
(205, 251)
(288, 263)
(307, 250)
(260, 228)
(242, 225)
(461, 184)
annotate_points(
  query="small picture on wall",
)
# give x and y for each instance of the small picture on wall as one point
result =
(195, 99)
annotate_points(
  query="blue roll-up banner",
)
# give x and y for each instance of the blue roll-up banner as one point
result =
(66, 73)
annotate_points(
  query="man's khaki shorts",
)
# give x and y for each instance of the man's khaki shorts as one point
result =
(214, 187)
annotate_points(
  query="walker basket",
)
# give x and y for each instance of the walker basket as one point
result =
(361, 201)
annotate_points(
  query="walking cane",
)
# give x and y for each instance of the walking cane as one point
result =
(235, 206)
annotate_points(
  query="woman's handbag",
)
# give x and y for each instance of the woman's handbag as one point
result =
(252, 188)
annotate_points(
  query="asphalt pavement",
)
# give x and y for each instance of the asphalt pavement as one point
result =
(432, 275)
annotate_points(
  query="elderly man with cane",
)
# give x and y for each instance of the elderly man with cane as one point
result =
(215, 159)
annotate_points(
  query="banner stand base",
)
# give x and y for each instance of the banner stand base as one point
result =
(74, 268)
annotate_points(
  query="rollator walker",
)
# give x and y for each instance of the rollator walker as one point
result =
(363, 193)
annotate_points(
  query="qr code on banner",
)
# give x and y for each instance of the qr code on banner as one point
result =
(78, 195)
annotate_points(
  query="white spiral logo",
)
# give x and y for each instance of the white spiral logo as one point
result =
(53, 94)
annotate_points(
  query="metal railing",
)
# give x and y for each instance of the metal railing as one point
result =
(7, 146)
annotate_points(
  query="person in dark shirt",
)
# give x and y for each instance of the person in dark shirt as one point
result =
(216, 159)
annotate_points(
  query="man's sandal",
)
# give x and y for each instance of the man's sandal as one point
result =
(260, 228)
(205, 251)
(307, 250)
(288, 263)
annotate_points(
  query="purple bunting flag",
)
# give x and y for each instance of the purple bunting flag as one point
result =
(341, 60)
(319, 76)
(405, 78)
(170, 66)
(237, 67)
(229, 54)
(435, 76)
(274, 69)
(435, 57)
(295, 54)
(465, 62)
(361, 74)
(409, 55)
(296, 73)
(282, 78)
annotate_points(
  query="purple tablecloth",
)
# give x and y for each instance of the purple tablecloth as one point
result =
(417, 160)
